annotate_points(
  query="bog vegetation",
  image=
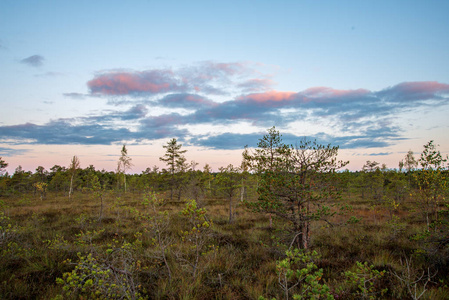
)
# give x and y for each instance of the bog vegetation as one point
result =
(288, 223)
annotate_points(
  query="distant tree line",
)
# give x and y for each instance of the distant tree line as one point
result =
(293, 182)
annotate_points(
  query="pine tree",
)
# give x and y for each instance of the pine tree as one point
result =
(175, 161)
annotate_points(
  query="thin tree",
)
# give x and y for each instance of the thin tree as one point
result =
(432, 182)
(173, 157)
(244, 167)
(124, 164)
(207, 171)
(228, 181)
(410, 163)
(73, 168)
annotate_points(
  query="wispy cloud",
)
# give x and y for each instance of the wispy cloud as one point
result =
(77, 96)
(380, 154)
(12, 152)
(413, 92)
(34, 60)
(207, 78)
(187, 101)
(50, 74)
(62, 132)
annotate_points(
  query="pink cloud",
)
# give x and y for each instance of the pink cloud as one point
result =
(416, 91)
(122, 83)
(270, 96)
(205, 77)
(423, 87)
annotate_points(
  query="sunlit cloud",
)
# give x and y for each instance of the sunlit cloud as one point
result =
(129, 83)
(207, 78)
(164, 103)
(270, 98)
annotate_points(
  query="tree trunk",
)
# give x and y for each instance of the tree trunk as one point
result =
(305, 235)
(71, 187)
(230, 210)
(242, 191)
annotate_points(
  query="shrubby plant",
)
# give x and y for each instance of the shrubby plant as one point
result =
(365, 279)
(197, 237)
(432, 182)
(111, 277)
(300, 277)
(158, 222)
(413, 280)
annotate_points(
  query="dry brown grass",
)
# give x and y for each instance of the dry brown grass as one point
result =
(243, 267)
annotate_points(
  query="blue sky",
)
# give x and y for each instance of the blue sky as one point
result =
(82, 78)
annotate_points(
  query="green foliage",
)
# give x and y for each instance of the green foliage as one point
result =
(7, 230)
(41, 187)
(197, 236)
(58, 243)
(86, 238)
(365, 279)
(300, 277)
(10, 246)
(228, 182)
(99, 191)
(149, 249)
(175, 160)
(372, 180)
(95, 278)
(123, 165)
(3, 165)
(397, 227)
(158, 222)
(432, 182)
(292, 184)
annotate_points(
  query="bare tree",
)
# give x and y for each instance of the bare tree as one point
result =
(414, 281)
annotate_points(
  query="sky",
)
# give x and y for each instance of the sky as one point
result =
(85, 77)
